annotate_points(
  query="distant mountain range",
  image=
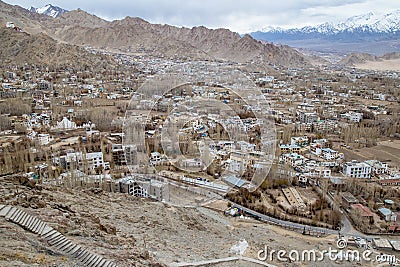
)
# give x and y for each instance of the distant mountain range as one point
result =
(80, 28)
(377, 34)
(48, 27)
(49, 10)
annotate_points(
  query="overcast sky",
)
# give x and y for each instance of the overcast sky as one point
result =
(236, 15)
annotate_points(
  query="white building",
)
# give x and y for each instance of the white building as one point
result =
(81, 161)
(191, 163)
(356, 169)
(44, 139)
(307, 117)
(329, 154)
(65, 124)
(352, 116)
(299, 140)
(387, 214)
(10, 24)
(143, 188)
(155, 158)
(319, 172)
(377, 166)
(293, 159)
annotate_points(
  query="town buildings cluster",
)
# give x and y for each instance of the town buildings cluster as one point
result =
(55, 122)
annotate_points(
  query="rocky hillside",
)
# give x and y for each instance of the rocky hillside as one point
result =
(21, 47)
(360, 58)
(136, 35)
(29, 21)
(357, 58)
(390, 56)
(130, 231)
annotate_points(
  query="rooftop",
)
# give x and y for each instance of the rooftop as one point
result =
(382, 243)
(365, 211)
(385, 211)
(234, 181)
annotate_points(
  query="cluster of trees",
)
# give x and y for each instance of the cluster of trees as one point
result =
(102, 117)
(15, 107)
(320, 214)
(251, 200)
(367, 136)
(5, 123)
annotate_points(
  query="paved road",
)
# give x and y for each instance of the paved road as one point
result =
(347, 228)
(216, 261)
(286, 223)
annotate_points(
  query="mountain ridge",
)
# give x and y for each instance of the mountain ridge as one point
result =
(370, 22)
(367, 33)
(21, 48)
(77, 27)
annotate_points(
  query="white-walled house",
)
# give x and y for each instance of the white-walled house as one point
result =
(293, 159)
(82, 161)
(387, 214)
(44, 139)
(377, 166)
(356, 169)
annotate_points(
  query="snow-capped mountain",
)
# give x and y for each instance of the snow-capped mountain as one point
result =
(49, 10)
(367, 23)
(363, 29)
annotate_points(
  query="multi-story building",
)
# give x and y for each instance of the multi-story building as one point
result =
(377, 166)
(124, 154)
(81, 161)
(356, 169)
(329, 154)
(352, 116)
(293, 159)
(44, 139)
(285, 148)
(155, 158)
(299, 141)
(307, 117)
(143, 188)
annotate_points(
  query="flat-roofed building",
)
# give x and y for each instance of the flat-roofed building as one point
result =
(348, 199)
(387, 214)
(356, 169)
(293, 159)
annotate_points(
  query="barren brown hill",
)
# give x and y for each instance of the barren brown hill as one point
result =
(390, 56)
(136, 35)
(29, 21)
(386, 62)
(79, 17)
(20, 48)
(358, 58)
